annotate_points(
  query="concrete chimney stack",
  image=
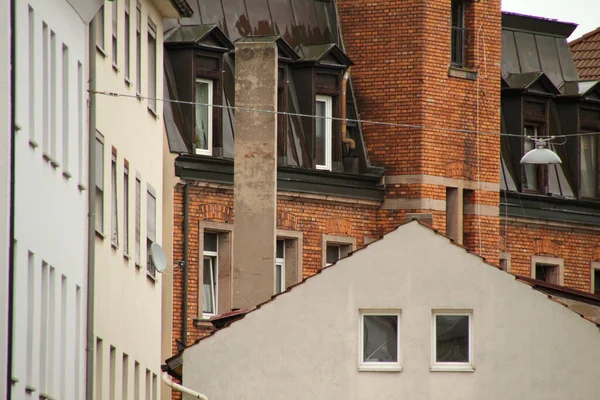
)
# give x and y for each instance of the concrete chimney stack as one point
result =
(255, 172)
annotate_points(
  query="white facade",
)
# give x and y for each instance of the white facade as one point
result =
(50, 199)
(127, 320)
(5, 161)
(305, 344)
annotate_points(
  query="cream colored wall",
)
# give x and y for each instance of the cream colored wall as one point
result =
(128, 302)
(304, 344)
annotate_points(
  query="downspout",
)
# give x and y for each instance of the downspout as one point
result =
(186, 232)
(182, 389)
(345, 138)
(11, 210)
(89, 366)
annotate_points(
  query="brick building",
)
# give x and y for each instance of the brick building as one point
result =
(435, 76)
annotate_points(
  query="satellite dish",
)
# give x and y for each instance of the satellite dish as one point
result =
(158, 257)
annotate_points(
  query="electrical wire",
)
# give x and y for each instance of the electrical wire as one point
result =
(360, 121)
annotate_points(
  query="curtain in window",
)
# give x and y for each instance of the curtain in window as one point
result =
(589, 155)
(380, 338)
(320, 132)
(202, 117)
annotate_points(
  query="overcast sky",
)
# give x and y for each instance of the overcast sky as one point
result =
(586, 13)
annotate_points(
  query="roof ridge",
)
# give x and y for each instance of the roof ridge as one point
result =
(585, 36)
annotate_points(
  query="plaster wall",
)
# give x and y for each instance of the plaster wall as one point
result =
(128, 300)
(50, 203)
(305, 343)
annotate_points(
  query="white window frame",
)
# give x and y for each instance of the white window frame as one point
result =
(595, 267)
(206, 152)
(468, 366)
(281, 262)
(554, 261)
(213, 255)
(328, 130)
(379, 366)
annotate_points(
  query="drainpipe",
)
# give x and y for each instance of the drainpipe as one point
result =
(345, 139)
(89, 366)
(11, 210)
(186, 232)
(182, 389)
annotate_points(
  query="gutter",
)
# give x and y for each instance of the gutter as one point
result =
(186, 249)
(167, 379)
(11, 211)
(89, 367)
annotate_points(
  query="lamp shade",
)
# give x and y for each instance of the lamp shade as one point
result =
(541, 155)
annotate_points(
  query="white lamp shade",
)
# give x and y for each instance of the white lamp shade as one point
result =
(541, 156)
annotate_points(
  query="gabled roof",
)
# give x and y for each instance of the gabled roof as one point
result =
(208, 36)
(328, 53)
(586, 53)
(532, 82)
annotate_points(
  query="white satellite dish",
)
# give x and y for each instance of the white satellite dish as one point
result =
(158, 257)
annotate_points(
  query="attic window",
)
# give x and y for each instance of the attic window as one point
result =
(547, 269)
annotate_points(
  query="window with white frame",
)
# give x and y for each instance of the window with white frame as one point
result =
(280, 266)
(126, 208)
(452, 341)
(99, 155)
(204, 116)
(114, 217)
(152, 61)
(323, 132)
(150, 228)
(379, 346)
(138, 220)
(210, 274)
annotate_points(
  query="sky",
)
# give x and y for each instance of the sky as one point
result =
(586, 13)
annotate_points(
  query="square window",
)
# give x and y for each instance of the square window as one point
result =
(380, 341)
(452, 342)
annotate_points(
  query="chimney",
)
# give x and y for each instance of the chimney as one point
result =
(255, 171)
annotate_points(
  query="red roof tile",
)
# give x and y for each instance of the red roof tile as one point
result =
(586, 54)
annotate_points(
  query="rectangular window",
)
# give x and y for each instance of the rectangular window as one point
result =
(379, 340)
(127, 39)
(138, 221)
(138, 48)
(126, 208)
(333, 254)
(204, 116)
(280, 266)
(32, 63)
(31, 272)
(588, 165)
(43, 334)
(53, 98)
(115, 27)
(114, 220)
(148, 384)
(112, 374)
(46, 90)
(150, 230)
(65, 107)
(78, 342)
(154, 387)
(534, 176)
(596, 282)
(136, 381)
(99, 20)
(98, 381)
(452, 347)
(125, 377)
(210, 274)
(547, 273)
(63, 335)
(458, 33)
(152, 66)
(323, 132)
(99, 183)
(80, 131)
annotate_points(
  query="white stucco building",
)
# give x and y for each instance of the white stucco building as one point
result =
(128, 200)
(50, 264)
(409, 317)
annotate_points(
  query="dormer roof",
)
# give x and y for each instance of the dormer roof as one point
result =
(531, 82)
(203, 36)
(328, 54)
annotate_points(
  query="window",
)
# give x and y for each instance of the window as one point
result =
(333, 254)
(126, 208)
(65, 109)
(452, 341)
(150, 229)
(152, 66)
(53, 90)
(336, 247)
(100, 28)
(98, 380)
(81, 148)
(596, 278)
(458, 42)
(323, 132)
(125, 377)
(138, 48)
(46, 90)
(504, 261)
(138, 220)
(588, 164)
(31, 77)
(533, 175)
(115, 49)
(136, 380)
(112, 373)
(127, 39)
(148, 384)
(114, 220)
(210, 274)
(547, 269)
(280, 266)
(204, 117)
(99, 183)
(379, 341)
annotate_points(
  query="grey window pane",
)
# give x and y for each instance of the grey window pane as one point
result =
(208, 305)
(597, 282)
(380, 338)
(210, 242)
(320, 133)
(202, 92)
(278, 271)
(589, 156)
(452, 338)
(333, 254)
(279, 252)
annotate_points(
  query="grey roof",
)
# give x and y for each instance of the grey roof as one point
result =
(210, 34)
(320, 52)
(528, 80)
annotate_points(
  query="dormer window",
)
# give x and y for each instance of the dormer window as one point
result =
(589, 184)
(323, 132)
(534, 177)
(204, 116)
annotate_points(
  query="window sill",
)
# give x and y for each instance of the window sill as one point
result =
(462, 73)
(115, 68)
(67, 175)
(380, 367)
(100, 235)
(45, 396)
(138, 265)
(127, 81)
(30, 389)
(115, 246)
(138, 95)
(33, 144)
(81, 187)
(54, 163)
(452, 368)
(46, 157)
(151, 277)
(126, 256)
(203, 323)
(152, 112)
(101, 51)
(17, 127)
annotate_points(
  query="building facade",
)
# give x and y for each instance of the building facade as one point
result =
(51, 183)
(438, 324)
(128, 195)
